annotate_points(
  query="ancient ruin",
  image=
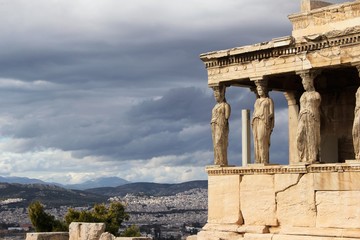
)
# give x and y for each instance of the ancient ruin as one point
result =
(316, 195)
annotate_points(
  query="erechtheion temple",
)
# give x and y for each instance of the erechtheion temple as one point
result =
(317, 194)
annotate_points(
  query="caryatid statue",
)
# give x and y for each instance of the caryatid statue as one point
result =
(356, 126)
(262, 122)
(220, 126)
(308, 131)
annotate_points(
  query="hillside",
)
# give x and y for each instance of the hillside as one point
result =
(93, 183)
(22, 180)
(54, 196)
(97, 183)
(50, 195)
(149, 189)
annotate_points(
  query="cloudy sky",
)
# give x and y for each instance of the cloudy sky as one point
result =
(92, 88)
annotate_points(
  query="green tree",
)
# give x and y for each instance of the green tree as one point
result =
(132, 231)
(112, 215)
(42, 221)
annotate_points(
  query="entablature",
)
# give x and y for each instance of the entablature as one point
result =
(240, 66)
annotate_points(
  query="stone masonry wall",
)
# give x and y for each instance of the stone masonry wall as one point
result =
(284, 206)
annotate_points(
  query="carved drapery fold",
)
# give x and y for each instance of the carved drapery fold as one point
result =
(262, 122)
(308, 129)
(220, 126)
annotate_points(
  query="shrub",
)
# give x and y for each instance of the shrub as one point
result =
(112, 216)
(42, 221)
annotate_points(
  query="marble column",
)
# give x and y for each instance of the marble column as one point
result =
(293, 114)
(245, 132)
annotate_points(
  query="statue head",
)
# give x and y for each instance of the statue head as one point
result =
(308, 79)
(261, 88)
(308, 83)
(219, 93)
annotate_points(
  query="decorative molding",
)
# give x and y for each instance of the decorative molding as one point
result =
(332, 39)
(323, 16)
(283, 169)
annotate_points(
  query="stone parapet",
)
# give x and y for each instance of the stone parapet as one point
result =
(255, 169)
(318, 17)
(317, 201)
(308, 5)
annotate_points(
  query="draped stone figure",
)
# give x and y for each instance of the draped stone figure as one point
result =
(308, 131)
(220, 126)
(262, 123)
(356, 126)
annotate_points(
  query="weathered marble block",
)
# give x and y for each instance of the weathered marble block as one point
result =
(296, 204)
(338, 209)
(257, 200)
(86, 231)
(48, 236)
(224, 200)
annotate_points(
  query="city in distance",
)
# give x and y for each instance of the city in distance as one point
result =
(174, 210)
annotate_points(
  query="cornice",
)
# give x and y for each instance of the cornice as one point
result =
(258, 52)
(255, 169)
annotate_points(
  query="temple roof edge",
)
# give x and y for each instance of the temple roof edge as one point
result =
(274, 43)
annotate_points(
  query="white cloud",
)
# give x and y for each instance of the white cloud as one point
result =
(40, 85)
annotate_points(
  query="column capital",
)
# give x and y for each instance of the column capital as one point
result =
(257, 78)
(220, 84)
(261, 81)
(310, 73)
(290, 98)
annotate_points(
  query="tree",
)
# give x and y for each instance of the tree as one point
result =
(112, 216)
(132, 231)
(42, 221)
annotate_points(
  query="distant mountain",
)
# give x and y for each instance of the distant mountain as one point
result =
(49, 195)
(94, 183)
(149, 189)
(55, 196)
(22, 180)
(98, 183)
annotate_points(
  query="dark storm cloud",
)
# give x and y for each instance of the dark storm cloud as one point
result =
(190, 104)
(161, 124)
(158, 46)
(121, 81)
(153, 127)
